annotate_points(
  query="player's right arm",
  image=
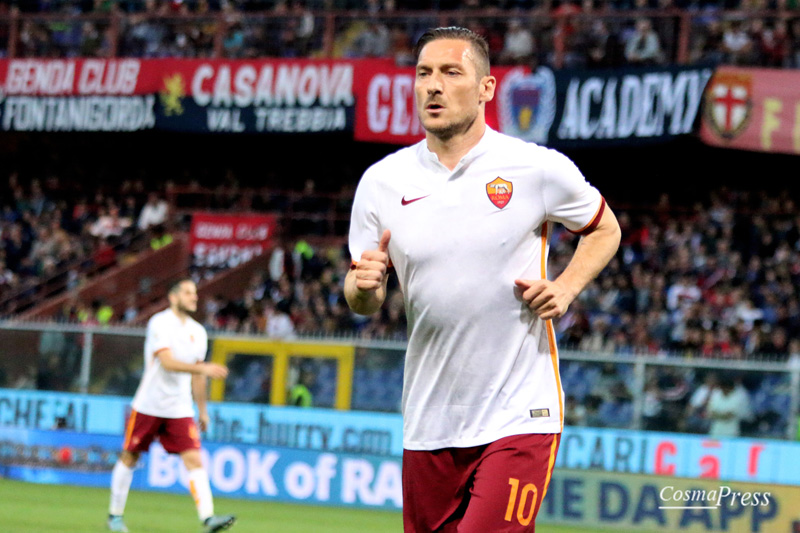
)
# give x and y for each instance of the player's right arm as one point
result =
(365, 284)
(211, 370)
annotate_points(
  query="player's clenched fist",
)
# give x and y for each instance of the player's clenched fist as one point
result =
(371, 269)
(548, 299)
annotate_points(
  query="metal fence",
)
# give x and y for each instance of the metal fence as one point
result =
(367, 375)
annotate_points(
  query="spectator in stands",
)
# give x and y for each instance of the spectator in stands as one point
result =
(374, 41)
(153, 213)
(772, 42)
(519, 47)
(643, 46)
(737, 44)
(279, 322)
(574, 412)
(593, 416)
(160, 237)
(652, 409)
(110, 223)
(602, 47)
(696, 418)
(727, 407)
(300, 394)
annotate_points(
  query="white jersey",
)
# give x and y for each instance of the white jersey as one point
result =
(480, 365)
(164, 393)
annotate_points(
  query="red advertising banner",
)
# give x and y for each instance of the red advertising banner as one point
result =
(385, 110)
(268, 95)
(229, 240)
(753, 109)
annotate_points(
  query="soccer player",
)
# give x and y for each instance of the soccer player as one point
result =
(465, 217)
(174, 372)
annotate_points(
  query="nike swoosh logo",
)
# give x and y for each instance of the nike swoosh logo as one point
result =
(406, 202)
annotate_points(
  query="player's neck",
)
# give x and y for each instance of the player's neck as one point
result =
(182, 315)
(452, 149)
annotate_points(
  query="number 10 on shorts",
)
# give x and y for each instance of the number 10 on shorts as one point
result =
(523, 517)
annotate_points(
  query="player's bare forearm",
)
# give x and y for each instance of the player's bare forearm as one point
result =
(363, 302)
(593, 253)
(200, 392)
(550, 299)
(212, 370)
(200, 396)
(168, 362)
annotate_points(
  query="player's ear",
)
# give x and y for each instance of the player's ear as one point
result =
(487, 87)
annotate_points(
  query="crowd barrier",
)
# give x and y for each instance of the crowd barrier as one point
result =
(351, 373)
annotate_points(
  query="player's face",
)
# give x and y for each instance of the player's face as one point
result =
(185, 299)
(449, 92)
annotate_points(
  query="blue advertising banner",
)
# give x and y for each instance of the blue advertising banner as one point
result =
(236, 470)
(380, 434)
(314, 429)
(579, 108)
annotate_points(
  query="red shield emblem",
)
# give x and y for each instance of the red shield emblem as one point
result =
(499, 192)
(728, 103)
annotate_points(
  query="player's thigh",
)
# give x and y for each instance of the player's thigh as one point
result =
(509, 484)
(435, 488)
(140, 431)
(179, 435)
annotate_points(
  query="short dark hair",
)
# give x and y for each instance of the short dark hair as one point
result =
(479, 44)
(175, 286)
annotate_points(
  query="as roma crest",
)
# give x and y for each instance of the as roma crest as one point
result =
(499, 191)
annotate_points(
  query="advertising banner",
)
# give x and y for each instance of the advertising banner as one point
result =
(595, 108)
(76, 95)
(595, 499)
(265, 96)
(229, 240)
(385, 108)
(311, 429)
(753, 109)
(626, 502)
(381, 434)
(235, 470)
(236, 96)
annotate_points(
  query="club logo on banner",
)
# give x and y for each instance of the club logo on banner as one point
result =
(729, 104)
(527, 105)
(172, 95)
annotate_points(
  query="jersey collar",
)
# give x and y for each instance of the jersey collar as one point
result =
(431, 160)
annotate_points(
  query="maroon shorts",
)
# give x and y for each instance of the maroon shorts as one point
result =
(497, 487)
(176, 435)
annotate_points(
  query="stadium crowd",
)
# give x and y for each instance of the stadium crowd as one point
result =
(715, 279)
(54, 235)
(594, 33)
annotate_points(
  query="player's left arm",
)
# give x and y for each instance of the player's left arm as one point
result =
(200, 395)
(550, 299)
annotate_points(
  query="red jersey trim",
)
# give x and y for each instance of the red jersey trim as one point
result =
(588, 228)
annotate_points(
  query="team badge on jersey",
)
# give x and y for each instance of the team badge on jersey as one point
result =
(499, 191)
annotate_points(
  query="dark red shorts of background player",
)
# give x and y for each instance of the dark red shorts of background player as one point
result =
(495, 488)
(176, 435)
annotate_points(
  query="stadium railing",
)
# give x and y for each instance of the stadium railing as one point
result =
(264, 33)
(354, 373)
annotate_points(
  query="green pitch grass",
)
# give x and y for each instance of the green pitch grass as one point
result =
(31, 508)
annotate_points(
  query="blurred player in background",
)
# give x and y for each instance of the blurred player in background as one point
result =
(174, 373)
(465, 217)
